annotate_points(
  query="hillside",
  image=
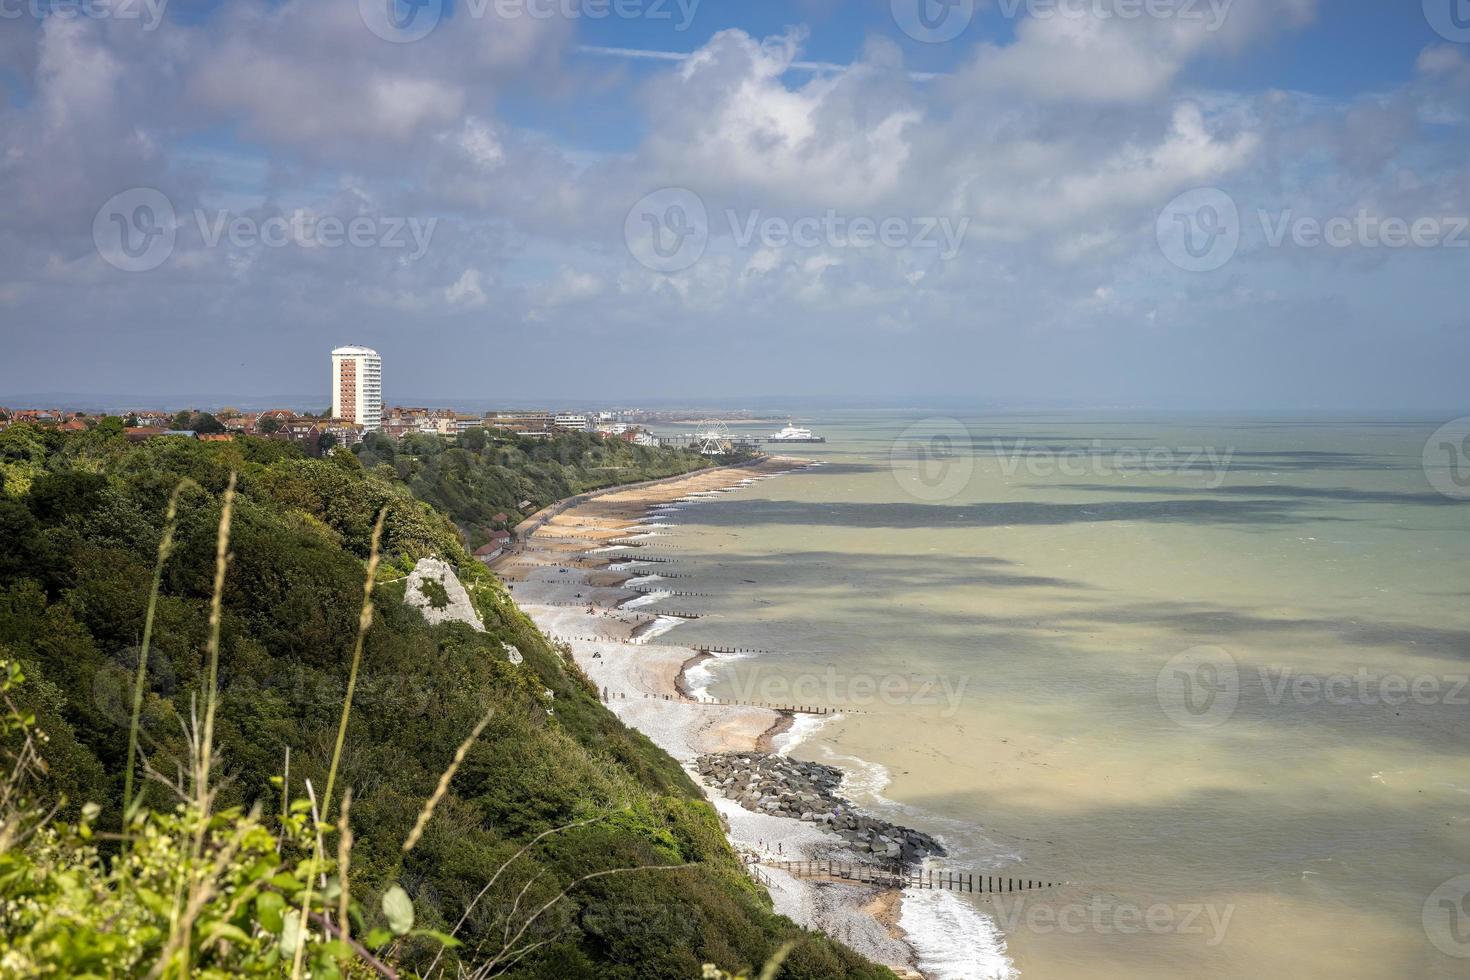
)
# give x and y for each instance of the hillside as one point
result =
(80, 521)
(491, 472)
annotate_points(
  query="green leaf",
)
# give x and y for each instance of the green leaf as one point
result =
(290, 932)
(286, 882)
(224, 930)
(269, 909)
(399, 910)
(377, 938)
(443, 938)
(334, 949)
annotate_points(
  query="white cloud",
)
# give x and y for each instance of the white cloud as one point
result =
(730, 121)
(1074, 55)
(466, 291)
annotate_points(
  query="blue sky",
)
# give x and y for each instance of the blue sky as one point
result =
(1245, 204)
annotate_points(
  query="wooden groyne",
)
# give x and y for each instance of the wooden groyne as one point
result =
(804, 709)
(895, 876)
(734, 650)
(668, 592)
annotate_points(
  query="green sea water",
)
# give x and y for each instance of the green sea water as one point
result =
(1210, 672)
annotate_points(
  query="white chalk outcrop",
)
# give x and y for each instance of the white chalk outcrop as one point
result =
(459, 609)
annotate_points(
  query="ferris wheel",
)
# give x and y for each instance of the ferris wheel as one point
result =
(712, 438)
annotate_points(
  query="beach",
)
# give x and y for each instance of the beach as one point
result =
(593, 575)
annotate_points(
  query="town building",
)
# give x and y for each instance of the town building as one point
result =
(521, 423)
(572, 423)
(306, 433)
(357, 387)
(347, 434)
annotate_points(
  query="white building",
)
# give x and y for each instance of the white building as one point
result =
(573, 423)
(357, 387)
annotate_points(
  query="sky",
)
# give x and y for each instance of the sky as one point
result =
(1158, 204)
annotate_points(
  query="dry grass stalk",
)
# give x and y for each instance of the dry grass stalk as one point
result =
(427, 813)
(165, 548)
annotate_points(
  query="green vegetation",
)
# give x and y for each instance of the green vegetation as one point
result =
(488, 472)
(434, 591)
(496, 803)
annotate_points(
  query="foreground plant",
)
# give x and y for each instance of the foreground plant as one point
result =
(201, 892)
(194, 892)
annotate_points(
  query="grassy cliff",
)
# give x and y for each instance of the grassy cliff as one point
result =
(489, 472)
(80, 522)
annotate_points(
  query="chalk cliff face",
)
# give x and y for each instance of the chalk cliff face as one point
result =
(459, 609)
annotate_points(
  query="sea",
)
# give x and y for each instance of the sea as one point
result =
(1205, 677)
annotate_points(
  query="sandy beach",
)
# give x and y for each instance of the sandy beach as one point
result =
(587, 574)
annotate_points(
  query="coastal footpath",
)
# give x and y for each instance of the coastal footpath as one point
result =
(586, 572)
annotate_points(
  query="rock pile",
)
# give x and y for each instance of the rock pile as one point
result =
(806, 791)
